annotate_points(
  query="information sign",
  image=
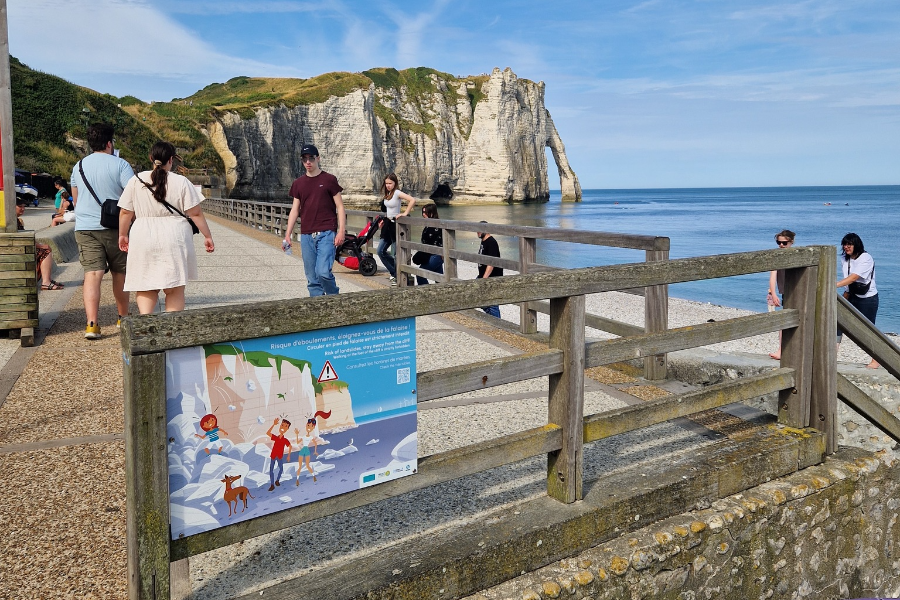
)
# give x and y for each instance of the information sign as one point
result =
(253, 431)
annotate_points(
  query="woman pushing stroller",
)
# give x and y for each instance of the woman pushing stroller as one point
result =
(391, 203)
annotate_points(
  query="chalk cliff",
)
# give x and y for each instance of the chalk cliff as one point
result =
(475, 139)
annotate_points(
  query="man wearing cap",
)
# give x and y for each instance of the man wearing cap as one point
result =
(320, 206)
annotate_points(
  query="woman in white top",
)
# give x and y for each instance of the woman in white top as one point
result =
(859, 276)
(391, 199)
(159, 240)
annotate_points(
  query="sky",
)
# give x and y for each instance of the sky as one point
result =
(645, 94)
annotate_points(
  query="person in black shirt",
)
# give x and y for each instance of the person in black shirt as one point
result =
(489, 247)
(433, 237)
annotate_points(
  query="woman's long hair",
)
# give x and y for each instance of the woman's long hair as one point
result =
(858, 248)
(161, 153)
(384, 190)
(430, 211)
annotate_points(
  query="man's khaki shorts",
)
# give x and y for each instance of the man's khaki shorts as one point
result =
(99, 250)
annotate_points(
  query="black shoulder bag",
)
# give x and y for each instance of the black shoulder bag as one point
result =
(109, 209)
(194, 229)
(856, 288)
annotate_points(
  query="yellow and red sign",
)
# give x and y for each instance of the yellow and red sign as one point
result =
(2, 198)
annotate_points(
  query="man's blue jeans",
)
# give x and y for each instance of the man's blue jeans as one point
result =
(318, 258)
(384, 253)
(272, 463)
(494, 310)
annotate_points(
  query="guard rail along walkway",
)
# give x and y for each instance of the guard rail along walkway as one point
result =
(807, 381)
(273, 217)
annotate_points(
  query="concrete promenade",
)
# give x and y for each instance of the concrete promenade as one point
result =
(62, 453)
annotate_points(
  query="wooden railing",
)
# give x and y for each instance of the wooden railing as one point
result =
(878, 346)
(273, 217)
(805, 381)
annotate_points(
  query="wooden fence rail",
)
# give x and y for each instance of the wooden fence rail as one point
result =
(869, 338)
(146, 338)
(272, 217)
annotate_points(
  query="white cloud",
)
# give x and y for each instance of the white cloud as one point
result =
(229, 8)
(117, 38)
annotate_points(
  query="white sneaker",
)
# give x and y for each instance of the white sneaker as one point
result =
(393, 282)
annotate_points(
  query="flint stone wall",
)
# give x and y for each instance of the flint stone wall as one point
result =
(826, 532)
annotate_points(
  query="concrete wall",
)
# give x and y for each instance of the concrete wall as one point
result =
(828, 531)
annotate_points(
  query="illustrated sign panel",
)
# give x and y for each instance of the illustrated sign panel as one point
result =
(259, 426)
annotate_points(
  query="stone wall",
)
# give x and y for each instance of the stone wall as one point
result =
(828, 531)
(493, 151)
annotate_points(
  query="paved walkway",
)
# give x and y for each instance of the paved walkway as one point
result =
(62, 454)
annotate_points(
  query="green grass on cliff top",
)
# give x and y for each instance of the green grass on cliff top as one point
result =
(49, 112)
(241, 94)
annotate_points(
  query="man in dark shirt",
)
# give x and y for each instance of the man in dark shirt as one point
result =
(489, 247)
(320, 206)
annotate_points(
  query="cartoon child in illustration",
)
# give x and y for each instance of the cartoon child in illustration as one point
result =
(305, 441)
(277, 456)
(210, 425)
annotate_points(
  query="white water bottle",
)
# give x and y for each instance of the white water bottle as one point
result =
(286, 246)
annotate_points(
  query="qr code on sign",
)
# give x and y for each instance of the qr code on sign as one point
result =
(402, 375)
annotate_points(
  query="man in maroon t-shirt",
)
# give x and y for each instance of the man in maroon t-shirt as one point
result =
(318, 203)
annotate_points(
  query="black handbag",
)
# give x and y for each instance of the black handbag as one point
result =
(109, 208)
(194, 229)
(420, 258)
(857, 288)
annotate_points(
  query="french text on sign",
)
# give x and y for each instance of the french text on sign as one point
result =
(327, 373)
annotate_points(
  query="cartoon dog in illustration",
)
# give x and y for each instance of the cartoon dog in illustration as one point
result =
(235, 494)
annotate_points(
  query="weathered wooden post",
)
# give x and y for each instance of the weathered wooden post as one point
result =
(527, 255)
(147, 499)
(797, 345)
(656, 316)
(403, 254)
(7, 162)
(566, 405)
(449, 240)
(823, 403)
(18, 279)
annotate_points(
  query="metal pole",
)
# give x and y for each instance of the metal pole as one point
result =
(7, 159)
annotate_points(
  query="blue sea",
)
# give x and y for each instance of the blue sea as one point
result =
(709, 221)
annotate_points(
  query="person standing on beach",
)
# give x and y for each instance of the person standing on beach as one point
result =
(489, 247)
(319, 205)
(784, 239)
(861, 292)
(105, 177)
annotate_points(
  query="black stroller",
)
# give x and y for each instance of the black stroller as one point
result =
(351, 254)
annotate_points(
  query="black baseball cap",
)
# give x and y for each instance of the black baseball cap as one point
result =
(309, 149)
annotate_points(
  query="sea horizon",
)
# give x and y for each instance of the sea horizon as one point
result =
(712, 221)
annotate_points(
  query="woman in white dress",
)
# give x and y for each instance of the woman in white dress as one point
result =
(159, 241)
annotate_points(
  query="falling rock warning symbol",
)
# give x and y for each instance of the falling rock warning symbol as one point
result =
(327, 373)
